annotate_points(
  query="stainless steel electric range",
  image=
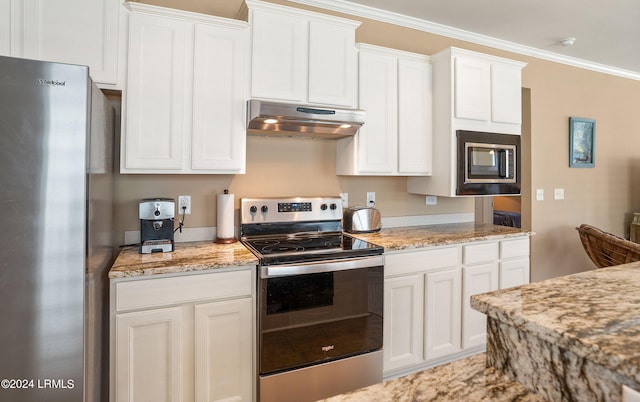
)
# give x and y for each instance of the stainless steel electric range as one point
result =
(320, 299)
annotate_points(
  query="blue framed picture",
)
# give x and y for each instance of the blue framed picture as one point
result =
(582, 141)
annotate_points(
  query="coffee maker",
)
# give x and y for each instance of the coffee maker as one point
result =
(156, 225)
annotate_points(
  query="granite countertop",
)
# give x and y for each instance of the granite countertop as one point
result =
(186, 257)
(594, 314)
(198, 256)
(402, 238)
(463, 380)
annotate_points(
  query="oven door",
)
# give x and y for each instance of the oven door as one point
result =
(319, 312)
(488, 163)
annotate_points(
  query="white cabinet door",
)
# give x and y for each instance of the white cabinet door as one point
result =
(73, 31)
(476, 279)
(279, 56)
(149, 356)
(442, 308)
(157, 83)
(403, 321)
(506, 98)
(415, 141)
(184, 105)
(332, 64)
(378, 138)
(472, 88)
(302, 57)
(514, 272)
(223, 351)
(218, 131)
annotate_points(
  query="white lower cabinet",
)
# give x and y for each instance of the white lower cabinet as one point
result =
(442, 306)
(403, 321)
(183, 338)
(150, 355)
(223, 344)
(477, 279)
(428, 319)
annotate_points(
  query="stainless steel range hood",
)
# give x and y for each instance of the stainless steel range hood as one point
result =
(292, 120)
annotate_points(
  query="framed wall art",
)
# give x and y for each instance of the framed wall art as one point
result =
(582, 141)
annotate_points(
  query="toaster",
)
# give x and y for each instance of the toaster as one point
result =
(361, 220)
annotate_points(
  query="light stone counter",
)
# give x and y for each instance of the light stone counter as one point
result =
(187, 257)
(576, 336)
(410, 237)
(463, 380)
(198, 256)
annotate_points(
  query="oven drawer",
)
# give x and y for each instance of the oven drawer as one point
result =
(145, 293)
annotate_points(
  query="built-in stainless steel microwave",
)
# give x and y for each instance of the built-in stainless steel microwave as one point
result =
(488, 163)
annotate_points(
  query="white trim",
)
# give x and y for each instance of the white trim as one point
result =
(419, 220)
(362, 11)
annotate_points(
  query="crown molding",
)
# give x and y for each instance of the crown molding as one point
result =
(368, 12)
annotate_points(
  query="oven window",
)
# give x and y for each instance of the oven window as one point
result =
(299, 292)
(315, 318)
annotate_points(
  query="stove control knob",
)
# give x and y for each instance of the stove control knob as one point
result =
(333, 206)
(253, 209)
(323, 207)
(264, 209)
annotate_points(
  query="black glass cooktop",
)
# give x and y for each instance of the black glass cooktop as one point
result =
(304, 248)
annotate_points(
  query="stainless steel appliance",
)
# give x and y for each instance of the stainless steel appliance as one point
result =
(56, 175)
(320, 299)
(488, 163)
(361, 220)
(284, 119)
(156, 225)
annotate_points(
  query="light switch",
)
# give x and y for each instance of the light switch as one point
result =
(558, 193)
(539, 194)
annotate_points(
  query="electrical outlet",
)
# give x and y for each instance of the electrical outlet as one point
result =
(184, 201)
(345, 199)
(540, 194)
(558, 193)
(371, 199)
(431, 200)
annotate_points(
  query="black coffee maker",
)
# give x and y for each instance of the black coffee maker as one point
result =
(156, 225)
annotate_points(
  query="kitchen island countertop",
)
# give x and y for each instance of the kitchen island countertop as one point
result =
(593, 316)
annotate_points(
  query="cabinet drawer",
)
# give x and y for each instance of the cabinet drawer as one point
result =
(181, 289)
(419, 261)
(514, 248)
(479, 253)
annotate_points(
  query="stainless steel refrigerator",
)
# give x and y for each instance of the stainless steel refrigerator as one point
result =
(56, 242)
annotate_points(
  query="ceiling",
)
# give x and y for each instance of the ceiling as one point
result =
(607, 33)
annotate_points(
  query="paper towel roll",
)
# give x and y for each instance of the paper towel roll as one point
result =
(225, 231)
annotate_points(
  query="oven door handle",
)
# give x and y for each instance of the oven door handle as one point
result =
(275, 271)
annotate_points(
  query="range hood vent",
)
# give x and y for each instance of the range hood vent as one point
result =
(292, 120)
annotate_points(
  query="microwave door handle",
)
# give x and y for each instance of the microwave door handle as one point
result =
(504, 163)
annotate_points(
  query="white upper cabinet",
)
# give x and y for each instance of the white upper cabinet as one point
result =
(302, 57)
(486, 90)
(395, 91)
(471, 91)
(82, 32)
(185, 100)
